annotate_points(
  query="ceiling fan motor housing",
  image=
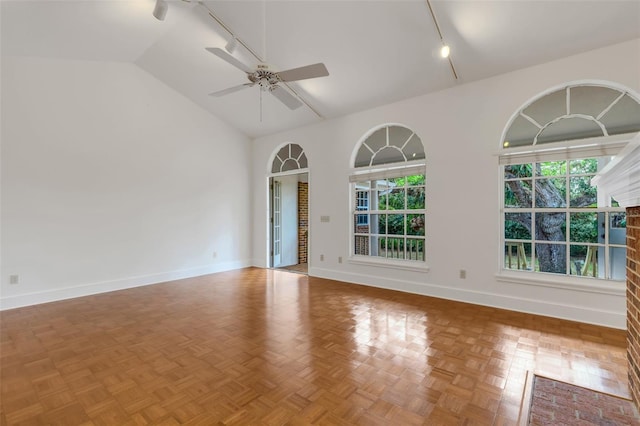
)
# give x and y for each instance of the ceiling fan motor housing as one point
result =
(264, 78)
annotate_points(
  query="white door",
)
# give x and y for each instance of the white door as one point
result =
(276, 220)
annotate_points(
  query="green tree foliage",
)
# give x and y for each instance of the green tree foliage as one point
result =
(550, 191)
(406, 193)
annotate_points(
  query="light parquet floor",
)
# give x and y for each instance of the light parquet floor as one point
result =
(259, 346)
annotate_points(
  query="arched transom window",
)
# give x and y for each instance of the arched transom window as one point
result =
(388, 198)
(574, 112)
(389, 144)
(289, 157)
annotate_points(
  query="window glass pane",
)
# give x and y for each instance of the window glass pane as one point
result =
(551, 192)
(415, 180)
(415, 198)
(591, 100)
(361, 245)
(520, 133)
(618, 221)
(517, 226)
(617, 263)
(275, 168)
(378, 223)
(289, 164)
(414, 150)
(517, 193)
(582, 194)
(377, 140)
(551, 258)
(398, 136)
(569, 128)
(551, 168)
(583, 227)
(382, 199)
(397, 198)
(584, 260)
(284, 152)
(551, 226)
(518, 171)
(361, 223)
(517, 256)
(415, 224)
(388, 155)
(589, 165)
(617, 119)
(548, 107)
(381, 249)
(415, 249)
(363, 157)
(394, 248)
(395, 224)
(303, 161)
(617, 228)
(296, 150)
(614, 203)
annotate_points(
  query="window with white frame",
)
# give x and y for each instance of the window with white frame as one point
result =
(388, 196)
(553, 219)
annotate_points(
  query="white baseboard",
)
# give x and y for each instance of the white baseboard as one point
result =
(566, 311)
(53, 295)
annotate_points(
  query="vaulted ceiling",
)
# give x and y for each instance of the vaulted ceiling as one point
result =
(377, 52)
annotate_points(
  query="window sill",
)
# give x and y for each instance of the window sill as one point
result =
(590, 285)
(406, 265)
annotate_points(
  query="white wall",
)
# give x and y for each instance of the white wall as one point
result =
(110, 179)
(461, 128)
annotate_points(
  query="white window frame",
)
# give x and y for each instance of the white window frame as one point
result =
(372, 174)
(559, 151)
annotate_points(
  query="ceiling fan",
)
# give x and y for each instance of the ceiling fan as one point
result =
(269, 80)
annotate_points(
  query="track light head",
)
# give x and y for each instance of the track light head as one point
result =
(445, 51)
(160, 10)
(231, 45)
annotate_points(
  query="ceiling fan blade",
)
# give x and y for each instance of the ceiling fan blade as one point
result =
(220, 53)
(230, 90)
(303, 73)
(286, 98)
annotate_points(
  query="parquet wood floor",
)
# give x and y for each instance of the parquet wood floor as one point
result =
(259, 346)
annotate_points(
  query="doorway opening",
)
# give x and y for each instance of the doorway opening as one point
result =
(289, 209)
(289, 222)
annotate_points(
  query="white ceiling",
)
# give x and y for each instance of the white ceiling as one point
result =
(377, 52)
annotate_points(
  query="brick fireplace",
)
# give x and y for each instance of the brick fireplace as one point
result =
(621, 179)
(633, 300)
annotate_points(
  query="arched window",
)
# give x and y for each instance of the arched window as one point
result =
(388, 196)
(553, 219)
(290, 157)
(574, 112)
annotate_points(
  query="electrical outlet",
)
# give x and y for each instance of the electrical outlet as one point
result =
(14, 279)
(322, 258)
(339, 259)
(463, 273)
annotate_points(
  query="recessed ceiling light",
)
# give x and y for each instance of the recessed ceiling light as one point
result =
(444, 52)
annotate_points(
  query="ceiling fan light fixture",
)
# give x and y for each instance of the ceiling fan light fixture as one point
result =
(160, 9)
(445, 51)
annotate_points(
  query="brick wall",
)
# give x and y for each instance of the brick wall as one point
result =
(633, 300)
(303, 220)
